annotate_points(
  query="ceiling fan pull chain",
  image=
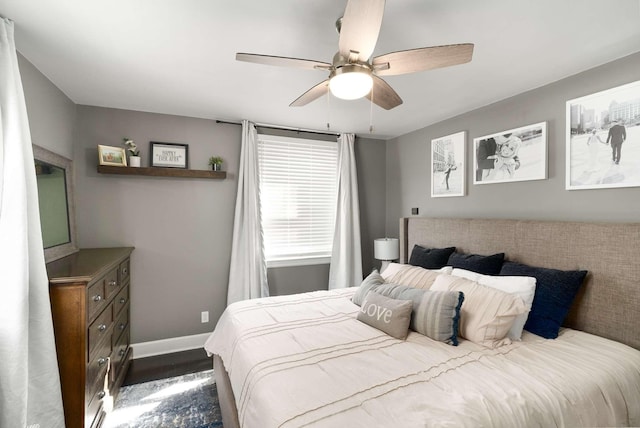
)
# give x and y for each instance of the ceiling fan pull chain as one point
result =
(371, 113)
(328, 111)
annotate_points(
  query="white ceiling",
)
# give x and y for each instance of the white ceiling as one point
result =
(178, 57)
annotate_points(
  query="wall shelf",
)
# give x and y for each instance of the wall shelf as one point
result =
(162, 172)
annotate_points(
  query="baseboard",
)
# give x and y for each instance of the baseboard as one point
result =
(167, 346)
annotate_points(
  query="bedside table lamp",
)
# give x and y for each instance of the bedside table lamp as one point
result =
(387, 250)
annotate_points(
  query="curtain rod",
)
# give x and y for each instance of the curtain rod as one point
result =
(281, 128)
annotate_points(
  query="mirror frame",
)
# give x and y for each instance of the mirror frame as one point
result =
(62, 250)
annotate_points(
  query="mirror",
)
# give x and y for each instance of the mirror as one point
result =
(54, 176)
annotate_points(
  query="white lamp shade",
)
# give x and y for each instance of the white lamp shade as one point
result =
(351, 86)
(386, 249)
(350, 81)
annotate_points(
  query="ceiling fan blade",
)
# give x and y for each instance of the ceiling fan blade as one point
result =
(312, 94)
(421, 59)
(283, 61)
(383, 94)
(360, 27)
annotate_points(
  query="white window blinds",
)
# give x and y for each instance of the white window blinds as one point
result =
(298, 180)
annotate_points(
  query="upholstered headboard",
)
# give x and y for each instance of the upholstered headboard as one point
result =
(608, 304)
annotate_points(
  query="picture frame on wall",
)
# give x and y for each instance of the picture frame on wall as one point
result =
(603, 139)
(169, 155)
(448, 165)
(518, 154)
(112, 156)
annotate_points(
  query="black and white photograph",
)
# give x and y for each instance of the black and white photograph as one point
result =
(603, 139)
(518, 154)
(448, 165)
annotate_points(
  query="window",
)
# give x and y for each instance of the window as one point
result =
(298, 181)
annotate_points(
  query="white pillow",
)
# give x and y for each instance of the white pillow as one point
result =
(522, 286)
(412, 276)
(487, 314)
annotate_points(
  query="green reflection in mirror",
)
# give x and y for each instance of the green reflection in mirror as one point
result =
(52, 197)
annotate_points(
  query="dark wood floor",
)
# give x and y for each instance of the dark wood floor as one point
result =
(167, 365)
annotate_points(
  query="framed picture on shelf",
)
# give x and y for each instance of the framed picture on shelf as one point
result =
(602, 136)
(113, 156)
(518, 154)
(169, 155)
(448, 165)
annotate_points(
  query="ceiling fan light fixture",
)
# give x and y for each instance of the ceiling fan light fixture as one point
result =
(350, 82)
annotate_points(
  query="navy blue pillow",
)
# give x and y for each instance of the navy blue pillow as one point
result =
(430, 258)
(555, 292)
(486, 265)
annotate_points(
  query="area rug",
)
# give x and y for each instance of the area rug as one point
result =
(189, 401)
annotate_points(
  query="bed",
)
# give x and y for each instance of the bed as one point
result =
(306, 360)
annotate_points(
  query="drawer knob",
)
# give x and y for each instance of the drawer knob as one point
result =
(97, 298)
(101, 395)
(113, 283)
(102, 327)
(122, 300)
(102, 361)
(121, 353)
(122, 326)
(125, 271)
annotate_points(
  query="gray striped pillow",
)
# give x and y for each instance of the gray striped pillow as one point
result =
(435, 313)
(370, 283)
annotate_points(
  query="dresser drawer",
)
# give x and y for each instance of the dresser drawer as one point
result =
(121, 325)
(97, 370)
(121, 301)
(99, 330)
(94, 413)
(119, 352)
(96, 299)
(111, 283)
(124, 271)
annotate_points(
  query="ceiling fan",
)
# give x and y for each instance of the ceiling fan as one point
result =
(352, 74)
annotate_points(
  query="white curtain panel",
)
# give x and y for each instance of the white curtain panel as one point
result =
(346, 256)
(248, 270)
(29, 382)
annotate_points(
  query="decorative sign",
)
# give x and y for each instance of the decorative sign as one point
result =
(169, 155)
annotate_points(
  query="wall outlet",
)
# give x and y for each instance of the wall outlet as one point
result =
(204, 316)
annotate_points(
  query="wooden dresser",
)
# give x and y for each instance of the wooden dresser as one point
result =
(89, 293)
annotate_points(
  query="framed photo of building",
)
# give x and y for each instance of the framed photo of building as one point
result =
(112, 156)
(603, 139)
(518, 154)
(448, 165)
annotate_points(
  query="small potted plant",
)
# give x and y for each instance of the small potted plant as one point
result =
(216, 163)
(134, 153)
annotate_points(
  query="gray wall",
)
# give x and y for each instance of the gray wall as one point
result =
(408, 170)
(51, 113)
(181, 228)
(297, 279)
(370, 159)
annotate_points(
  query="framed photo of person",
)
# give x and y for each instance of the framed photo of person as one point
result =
(448, 165)
(602, 136)
(518, 154)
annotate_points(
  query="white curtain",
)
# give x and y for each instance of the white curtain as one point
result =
(29, 382)
(346, 256)
(248, 270)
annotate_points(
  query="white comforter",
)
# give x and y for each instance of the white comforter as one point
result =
(304, 360)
